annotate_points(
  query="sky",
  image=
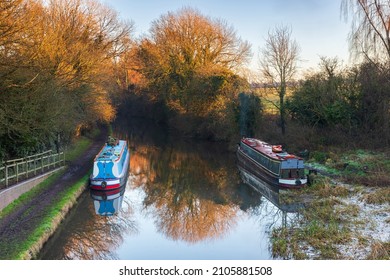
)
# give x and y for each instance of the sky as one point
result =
(317, 25)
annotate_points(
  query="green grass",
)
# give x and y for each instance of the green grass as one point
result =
(327, 221)
(53, 217)
(322, 224)
(30, 247)
(78, 148)
(30, 194)
(359, 167)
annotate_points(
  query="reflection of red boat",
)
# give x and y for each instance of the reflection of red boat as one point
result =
(271, 164)
(271, 193)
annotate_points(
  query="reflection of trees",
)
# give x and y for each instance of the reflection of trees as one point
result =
(188, 191)
(94, 237)
(193, 191)
(192, 219)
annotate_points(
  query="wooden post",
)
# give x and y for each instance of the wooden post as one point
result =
(17, 172)
(26, 167)
(35, 166)
(6, 175)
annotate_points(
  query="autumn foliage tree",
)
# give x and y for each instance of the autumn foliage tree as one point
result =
(56, 64)
(190, 63)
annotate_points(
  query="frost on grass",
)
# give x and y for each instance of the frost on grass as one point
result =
(370, 226)
(351, 224)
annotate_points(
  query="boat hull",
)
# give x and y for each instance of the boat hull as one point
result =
(104, 178)
(249, 164)
(264, 174)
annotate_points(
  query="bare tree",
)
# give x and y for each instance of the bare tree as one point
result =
(370, 34)
(278, 64)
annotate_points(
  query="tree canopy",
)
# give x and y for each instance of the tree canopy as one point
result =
(190, 62)
(57, 61)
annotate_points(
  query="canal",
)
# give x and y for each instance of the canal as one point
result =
(183, 200)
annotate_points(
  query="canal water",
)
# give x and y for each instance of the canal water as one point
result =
(183, 200)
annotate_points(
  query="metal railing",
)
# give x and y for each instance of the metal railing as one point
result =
(12, 171)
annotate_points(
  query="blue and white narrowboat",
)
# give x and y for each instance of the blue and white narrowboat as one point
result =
(271, 164)
(111, 166)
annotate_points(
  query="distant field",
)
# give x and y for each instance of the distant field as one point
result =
(269, 98)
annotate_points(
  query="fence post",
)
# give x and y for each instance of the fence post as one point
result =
(35, 166)
(26, 166)
(17, 172)
(6, 175)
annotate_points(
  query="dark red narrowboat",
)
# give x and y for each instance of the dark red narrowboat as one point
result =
(271, 164)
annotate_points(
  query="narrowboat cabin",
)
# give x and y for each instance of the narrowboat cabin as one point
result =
(271, 164)
(111, 166)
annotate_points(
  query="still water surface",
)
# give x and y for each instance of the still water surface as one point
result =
(183, 200)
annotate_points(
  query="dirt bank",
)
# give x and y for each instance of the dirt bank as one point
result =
(18, 225)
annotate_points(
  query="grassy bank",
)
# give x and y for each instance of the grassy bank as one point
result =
(52, 215)
(346, 215)
(360, 167)
(51, 220)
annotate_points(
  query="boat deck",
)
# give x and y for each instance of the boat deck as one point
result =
(111, 153)
(267, 149)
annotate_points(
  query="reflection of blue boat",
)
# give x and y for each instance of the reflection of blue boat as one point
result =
(107, 203)
(271, 193)
(111, 166)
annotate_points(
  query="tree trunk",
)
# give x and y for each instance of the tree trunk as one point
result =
(282, 109)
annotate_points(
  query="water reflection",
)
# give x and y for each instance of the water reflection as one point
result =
(87, 236)
(183, 200)
(189, 192)
(285, 213)
(107, 203)
(271, 193)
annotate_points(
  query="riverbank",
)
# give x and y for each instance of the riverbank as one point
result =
(347, 214)
(27, 223)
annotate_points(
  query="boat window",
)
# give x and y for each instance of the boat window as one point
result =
(273, 166)
(292, 173)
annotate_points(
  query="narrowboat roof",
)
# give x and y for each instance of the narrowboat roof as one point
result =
(111, 152)
(272, 151)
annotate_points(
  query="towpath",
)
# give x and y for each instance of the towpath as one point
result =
(23, 220)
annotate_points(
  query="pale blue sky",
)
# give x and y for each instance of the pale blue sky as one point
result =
(317, 25)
